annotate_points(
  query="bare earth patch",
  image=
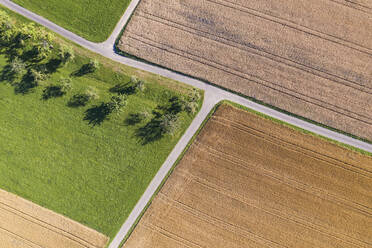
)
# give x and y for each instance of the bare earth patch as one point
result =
(249, 182)
(311, 58)
(24, 224)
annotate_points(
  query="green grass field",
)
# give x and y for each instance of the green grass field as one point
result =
(93, 174)
(94, 20)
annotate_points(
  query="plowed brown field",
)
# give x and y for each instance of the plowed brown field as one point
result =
(249, 182)
(311, 58)
(26, 225)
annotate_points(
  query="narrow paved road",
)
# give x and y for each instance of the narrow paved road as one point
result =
(212, 96)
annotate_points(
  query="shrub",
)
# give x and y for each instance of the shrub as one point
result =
(194, 96)
(92, 93)
(133, 80)
(145, 115)
(65, 84)
(191, 107)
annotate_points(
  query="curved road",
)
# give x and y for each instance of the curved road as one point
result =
(212, 96)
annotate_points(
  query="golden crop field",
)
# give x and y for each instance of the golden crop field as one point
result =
(249, 182)
(311, 58)
(27, 225)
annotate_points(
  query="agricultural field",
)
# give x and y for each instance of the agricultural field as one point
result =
(79, 134)
(22, 222)
(309, 58)
(249, 181)
(92, 20)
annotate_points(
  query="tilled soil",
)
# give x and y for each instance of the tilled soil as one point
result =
(311, 58)
(27, 225)
(249, 182)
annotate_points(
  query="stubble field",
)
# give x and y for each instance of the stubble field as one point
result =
(26, 225)
(250, 182)
(311, 58)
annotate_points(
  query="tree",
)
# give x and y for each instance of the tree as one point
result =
(140, 85)
(66, 54)
(17, 66)
(117, 103)
(191, 107)
(93, 65)
(65, 84)
(5, 21)
(7, 31)
(168, 124)
(43, 43)
(29, 37)
(37, 75)
(25, 34)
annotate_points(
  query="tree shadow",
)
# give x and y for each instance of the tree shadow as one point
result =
(52, 91)
(84, 69)
(134, 119)
(97, 114)
(52, 65)
(124, 89)
(7, 74)
(26, 85)
(78, 100)
(176, 105)
(30, 56)
(151, 132)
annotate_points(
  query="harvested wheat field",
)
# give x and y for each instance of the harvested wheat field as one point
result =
(250, 182)
(26, 225)
(311, 58)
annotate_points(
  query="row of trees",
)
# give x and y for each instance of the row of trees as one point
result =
(33, 57)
